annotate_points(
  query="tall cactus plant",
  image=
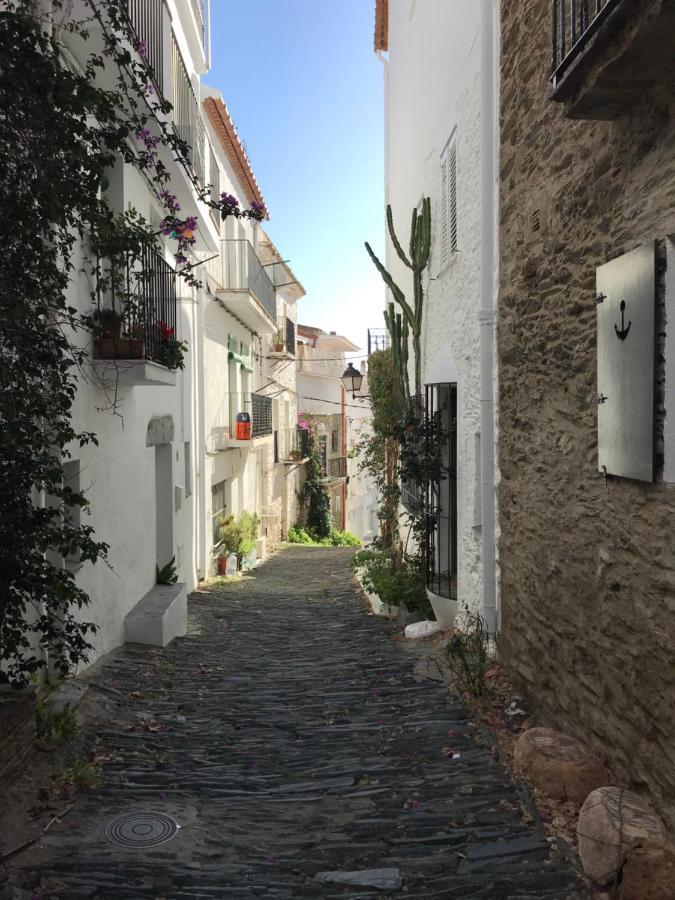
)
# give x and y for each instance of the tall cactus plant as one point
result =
(398, 330)
(416, 260)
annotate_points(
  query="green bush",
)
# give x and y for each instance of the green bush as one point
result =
(395, 587)
(238, 535)
(299, 535)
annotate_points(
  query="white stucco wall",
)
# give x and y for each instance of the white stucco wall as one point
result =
(434, 89)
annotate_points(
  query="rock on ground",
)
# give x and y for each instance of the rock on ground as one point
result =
(613, 823)
(558, 765)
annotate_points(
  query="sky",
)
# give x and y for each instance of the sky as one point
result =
(304, 89)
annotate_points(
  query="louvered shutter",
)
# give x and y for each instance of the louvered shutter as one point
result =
(444, 224)
(452, 194)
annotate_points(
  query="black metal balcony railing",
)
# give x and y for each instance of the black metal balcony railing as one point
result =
(336, 467)
(378, 339)
(186, 119)
(573, 24)
(297, 444)
(243, 271)
(287, 330)
(147, 20)
(136, 306)
(261, 415)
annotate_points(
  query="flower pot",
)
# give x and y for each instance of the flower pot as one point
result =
(222, 565)
(104, 348)
(278, 348)
(445, 609)
(136, 348)
(122, 348)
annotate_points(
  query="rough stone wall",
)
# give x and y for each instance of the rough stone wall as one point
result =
(587, 568)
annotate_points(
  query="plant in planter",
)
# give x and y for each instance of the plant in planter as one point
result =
(279, 341)
(238, 536)
(137, 342)
(170, 351)
(107, 326)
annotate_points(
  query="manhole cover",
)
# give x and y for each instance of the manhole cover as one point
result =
(141, 829)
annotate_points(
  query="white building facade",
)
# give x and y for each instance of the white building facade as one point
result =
(439, 63)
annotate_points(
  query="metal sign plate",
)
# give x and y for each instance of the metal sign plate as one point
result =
(626, 289)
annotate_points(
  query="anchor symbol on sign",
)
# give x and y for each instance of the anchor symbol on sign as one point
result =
(623, 334)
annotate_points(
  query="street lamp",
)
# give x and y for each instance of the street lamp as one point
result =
(351, 379)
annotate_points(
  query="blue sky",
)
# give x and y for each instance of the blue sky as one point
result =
(304, 89)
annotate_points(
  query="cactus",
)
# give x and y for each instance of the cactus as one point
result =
(397, 327)
(416, 261)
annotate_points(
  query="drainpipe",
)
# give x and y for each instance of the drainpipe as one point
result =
(486, 316)
(343, 398)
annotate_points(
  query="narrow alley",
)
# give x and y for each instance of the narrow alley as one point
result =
(289, 738)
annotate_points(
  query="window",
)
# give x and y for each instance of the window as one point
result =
(188, 468)
(334, 440)
(448, 225)
(218, 508)
(276, 446)
(441, 496)
(72, 513)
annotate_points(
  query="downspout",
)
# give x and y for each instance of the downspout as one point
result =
(343, 398)
(486, 316)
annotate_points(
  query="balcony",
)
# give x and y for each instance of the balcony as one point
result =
(378, 339)
(147, 20)
(296, 446)
(242, 420)
(186, 118)
(244, 285)
(336, 467)
(284, 341)
(136, 317)
(607, 53)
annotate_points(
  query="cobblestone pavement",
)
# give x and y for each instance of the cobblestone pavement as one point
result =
(289, 737)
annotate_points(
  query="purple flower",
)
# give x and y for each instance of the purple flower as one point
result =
(257, 207)
(229, 200)
(190, 223)
(141, 47)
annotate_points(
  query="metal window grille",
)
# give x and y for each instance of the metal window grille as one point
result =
(573, 23)
(261, 415)
(186, 119)
(242, 270)
(147, 20)
(441, 495)
(142, 291)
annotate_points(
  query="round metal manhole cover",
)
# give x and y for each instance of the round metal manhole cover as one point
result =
(141, 829)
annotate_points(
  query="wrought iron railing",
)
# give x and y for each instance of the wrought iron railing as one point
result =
(241, 270)
(336, 467)
(296, 444)
(186, 119)
(573, 24)
(147, 20)
(287, 329)
(440, 548)
(378, 339)
(261, 415)
(136, 306)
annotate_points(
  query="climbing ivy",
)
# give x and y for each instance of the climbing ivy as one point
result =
(61, 133)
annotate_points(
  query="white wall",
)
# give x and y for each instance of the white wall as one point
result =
(433, 88)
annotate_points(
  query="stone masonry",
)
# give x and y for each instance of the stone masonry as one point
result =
(587, 568)
(290, 738)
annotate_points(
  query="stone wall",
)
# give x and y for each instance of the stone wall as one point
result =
(587, 568)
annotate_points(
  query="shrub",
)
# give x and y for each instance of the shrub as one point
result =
(299, 535)
(469, 655)
(403, 586)
(238, 535)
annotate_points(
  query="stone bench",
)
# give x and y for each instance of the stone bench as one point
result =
(159, 617)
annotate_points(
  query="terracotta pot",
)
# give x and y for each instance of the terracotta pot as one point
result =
(122, 348)
(278, 348)
(136, 348)
(104, 348)
(222, 565)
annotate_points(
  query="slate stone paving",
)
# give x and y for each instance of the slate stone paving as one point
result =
(289, 738)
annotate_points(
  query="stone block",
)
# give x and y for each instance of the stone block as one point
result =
(558, 765)
(614, 823)
(648, 875)
(159, 617)
(381, 879)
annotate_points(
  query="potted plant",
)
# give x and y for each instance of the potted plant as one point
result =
(137, 342)
(278, 342)
(107, 327)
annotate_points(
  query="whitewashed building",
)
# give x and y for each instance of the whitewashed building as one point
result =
(440, 77)
(144, 479)
(249, 358)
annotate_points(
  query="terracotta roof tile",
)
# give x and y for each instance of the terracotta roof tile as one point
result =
(381, 40)
(223, 125)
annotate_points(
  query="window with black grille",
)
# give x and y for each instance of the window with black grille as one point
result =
(441, 494)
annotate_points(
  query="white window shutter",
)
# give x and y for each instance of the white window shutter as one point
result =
(444, 223)
(452, 193)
